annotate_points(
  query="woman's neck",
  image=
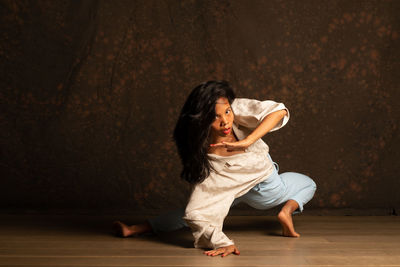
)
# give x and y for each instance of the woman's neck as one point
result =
(229, 138)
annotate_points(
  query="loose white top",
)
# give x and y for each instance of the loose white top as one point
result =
(232, 177)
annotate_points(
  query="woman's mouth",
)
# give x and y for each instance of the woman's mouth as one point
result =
(227, 131)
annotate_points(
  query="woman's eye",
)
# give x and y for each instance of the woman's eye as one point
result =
(228, 111)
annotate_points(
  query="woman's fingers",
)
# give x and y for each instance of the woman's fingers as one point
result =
(224, 144)
(228, 145)
(228, 251)
(217, 145)
(223, 251)
(215, 252)
(218, 253)
(231, 249)
(210, 252)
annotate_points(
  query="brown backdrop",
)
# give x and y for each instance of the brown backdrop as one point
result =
(90, 93)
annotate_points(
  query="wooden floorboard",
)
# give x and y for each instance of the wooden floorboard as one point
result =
(61, 240)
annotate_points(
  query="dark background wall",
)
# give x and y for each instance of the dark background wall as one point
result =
(90, 93)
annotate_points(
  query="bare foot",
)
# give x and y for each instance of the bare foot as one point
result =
(286, 221)
(123, 230)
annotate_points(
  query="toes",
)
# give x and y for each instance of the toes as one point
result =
(120, 229)
(288, 233)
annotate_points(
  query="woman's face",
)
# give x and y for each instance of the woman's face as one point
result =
(222, 125)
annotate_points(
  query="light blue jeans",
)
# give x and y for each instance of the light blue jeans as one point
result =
(275, 190)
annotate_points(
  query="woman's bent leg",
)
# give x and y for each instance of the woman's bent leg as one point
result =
(293, 189)
(299, 190)
(299, 187)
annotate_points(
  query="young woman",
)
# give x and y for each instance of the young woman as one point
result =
(219, 142)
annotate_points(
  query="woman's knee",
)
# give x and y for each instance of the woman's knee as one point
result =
(302, 179)
(313, 184)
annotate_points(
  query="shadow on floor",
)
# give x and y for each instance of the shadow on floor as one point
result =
(102, 226)
(268, 225)
(183, 237)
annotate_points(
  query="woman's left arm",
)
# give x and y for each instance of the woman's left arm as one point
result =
(267, 124)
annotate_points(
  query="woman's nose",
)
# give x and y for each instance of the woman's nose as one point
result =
(224, 121)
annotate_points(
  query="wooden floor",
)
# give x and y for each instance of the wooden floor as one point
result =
(33, 240)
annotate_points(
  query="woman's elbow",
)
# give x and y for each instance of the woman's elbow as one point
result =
(279, 114)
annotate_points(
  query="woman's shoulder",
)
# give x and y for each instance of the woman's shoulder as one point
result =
(242, 100)
(247, 103)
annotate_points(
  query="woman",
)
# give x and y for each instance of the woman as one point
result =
(223, 156)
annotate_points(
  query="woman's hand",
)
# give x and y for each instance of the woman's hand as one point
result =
(234, 146)
(225, 251)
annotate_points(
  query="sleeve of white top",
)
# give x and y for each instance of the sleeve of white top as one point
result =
(250, 112)
(207, 235)
(205, 214)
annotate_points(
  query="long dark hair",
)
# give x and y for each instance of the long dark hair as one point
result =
(192, 130)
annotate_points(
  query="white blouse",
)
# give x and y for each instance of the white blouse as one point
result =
(233, 177)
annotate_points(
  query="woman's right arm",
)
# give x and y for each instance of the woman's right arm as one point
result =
(205, 213)
(208, 236)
